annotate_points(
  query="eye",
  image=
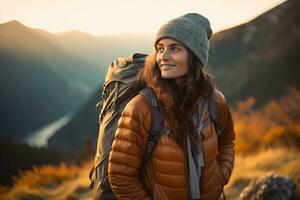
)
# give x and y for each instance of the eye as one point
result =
(174, 48)
(160, 49)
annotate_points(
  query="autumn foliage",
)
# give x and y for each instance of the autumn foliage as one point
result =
(45, 175)
(275, 124)
(28, 184)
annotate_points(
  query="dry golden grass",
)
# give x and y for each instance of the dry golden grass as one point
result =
(44, 182)
(262, 138)
(45, 175)
(281, 161)
(30, 184)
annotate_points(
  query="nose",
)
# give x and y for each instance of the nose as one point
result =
(165, 55)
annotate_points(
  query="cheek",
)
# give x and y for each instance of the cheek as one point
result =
(157, 58)
(184, 66)
(182, 71)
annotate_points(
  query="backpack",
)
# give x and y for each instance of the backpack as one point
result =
(120, 86)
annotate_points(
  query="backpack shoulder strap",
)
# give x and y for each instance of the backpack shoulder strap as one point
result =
(214, 115)
(157, 123)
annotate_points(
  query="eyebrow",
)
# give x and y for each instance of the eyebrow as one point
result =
(172, 44)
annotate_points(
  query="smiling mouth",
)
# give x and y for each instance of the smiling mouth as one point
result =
(167, 66)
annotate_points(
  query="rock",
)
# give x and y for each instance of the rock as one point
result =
(269, 187)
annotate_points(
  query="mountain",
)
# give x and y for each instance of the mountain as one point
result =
(39, 82)
(101, 50)
(81, 129)
(18, 39)
(44, 76)
(259, 58)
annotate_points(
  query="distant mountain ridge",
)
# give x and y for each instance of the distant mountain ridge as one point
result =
(259, 58)
(44, 76)
(37, 80)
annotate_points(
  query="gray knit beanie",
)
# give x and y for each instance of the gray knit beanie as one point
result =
(192, 30)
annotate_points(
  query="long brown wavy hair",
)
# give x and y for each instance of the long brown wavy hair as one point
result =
(178, 100)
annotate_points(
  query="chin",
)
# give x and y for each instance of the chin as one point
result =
(167, 77)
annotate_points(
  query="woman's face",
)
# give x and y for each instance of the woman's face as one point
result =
(172, 59)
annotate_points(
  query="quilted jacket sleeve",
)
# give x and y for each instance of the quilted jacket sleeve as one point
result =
(225, 156)
(127, 150)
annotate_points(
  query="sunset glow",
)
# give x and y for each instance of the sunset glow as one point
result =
(101, 17)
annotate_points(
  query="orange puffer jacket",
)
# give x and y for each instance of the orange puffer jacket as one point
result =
(165, 174)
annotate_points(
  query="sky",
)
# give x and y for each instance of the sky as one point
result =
(100, 17)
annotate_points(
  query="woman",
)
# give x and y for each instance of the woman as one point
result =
(189, 161)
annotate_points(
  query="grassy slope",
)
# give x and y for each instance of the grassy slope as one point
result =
(50, 182)
(281, 161)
